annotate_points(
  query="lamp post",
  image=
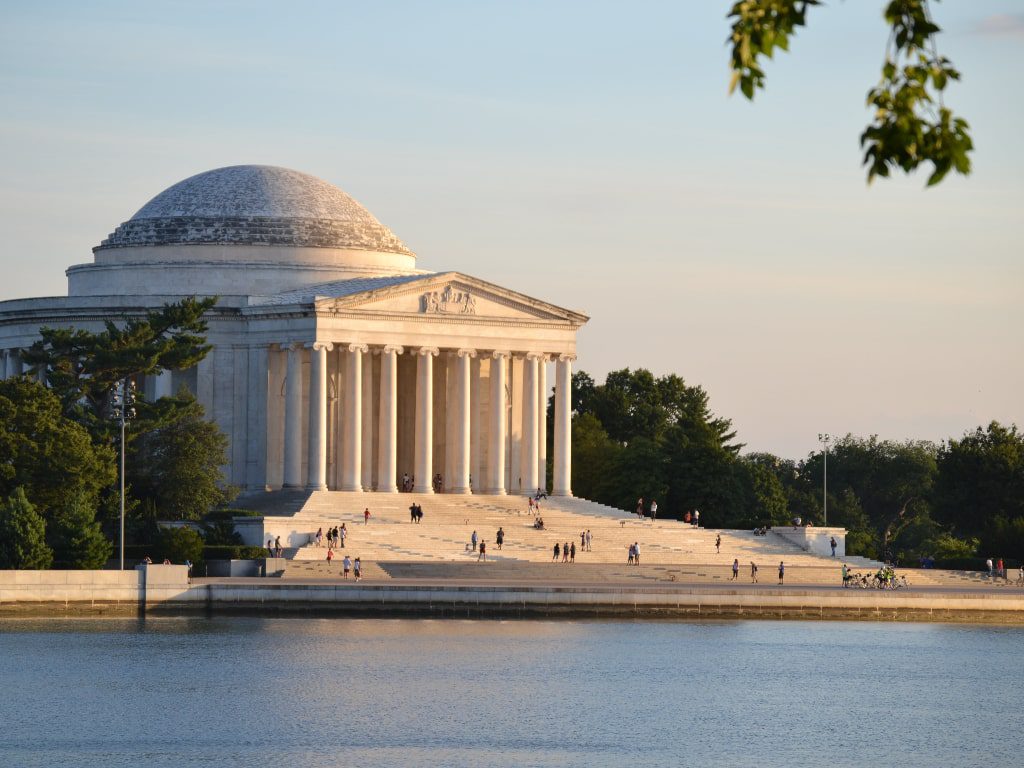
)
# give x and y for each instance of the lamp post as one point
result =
(122, 409)
(825, 439)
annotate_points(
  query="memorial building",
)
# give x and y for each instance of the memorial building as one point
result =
(337, 363)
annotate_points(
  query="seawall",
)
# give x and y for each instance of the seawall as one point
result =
(166, 590)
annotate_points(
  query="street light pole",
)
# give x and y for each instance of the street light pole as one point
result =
(824, 438)
(123, 402)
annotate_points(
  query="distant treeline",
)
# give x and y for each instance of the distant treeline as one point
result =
(637, 436)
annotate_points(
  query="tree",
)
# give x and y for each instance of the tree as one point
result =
(46, 454)
(177, 467)
(76, 538)
(911, 123)
(979, 489)
(84, 368)
(22, 535)
(179, 545)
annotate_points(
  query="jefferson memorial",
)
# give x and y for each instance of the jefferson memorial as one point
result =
(336, 363)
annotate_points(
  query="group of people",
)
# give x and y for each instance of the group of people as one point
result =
(335, 537)
(754, 569)
(634, 554)
(347, 565)
(567, 551)
(274, 547)
(653, 508)
(415, 513)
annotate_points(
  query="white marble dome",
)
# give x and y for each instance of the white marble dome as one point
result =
(244, 230)
(255, 205)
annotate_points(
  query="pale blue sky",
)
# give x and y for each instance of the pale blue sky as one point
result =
(585, 153)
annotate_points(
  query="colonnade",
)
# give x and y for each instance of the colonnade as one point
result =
(10, 363)
(467, 423)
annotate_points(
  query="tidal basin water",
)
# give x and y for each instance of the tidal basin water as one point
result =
(370, 693)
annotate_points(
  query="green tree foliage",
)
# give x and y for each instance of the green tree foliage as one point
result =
(911, 124)
(84, 368)
(179, 545)
(48, 455)
(176, 468)
(76, 538)
(22, 535)
(980, 486)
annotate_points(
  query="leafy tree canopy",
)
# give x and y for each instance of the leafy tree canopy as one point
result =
(22, 535)
(911, 123)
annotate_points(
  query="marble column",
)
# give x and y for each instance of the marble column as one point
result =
(542, 422)
(387, 430)
(424, 454)
(498, 429)
(3, 364)
(13, 363)
(352, 421)
(528, 451)
(162, 385)
(462, 416)
(366, 472)
(562, 480)
(292, 418)
(316, 474)
(477, 470)
(256, 416)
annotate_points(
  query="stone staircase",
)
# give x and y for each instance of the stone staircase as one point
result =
(391, 542)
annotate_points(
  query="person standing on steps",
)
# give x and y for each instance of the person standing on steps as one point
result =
(696, 518)
(832, 544)
(640, 507)
(346, 566)
(718, 544)
(753, 572)
(473, 540)
(588, 539)
(557, 550)
(483, 552)
(782, 571)
(357, 569)
(342, 533)
(735, 569)
(366, 516)
(654, 510)
(572, 552)
(278, 550)
(499, 538)
(320, 536)
(565, 552)
(636, 553)
(412, 512)
(330, 556)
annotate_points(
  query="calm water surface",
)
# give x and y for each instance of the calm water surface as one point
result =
(369, 693)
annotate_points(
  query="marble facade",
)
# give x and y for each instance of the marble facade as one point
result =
(336, 362)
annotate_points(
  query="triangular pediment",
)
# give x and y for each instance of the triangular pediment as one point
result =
(452, 295)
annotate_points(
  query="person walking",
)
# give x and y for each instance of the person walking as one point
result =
(342, 533)
(753, 572)
(640, 507)
(330, 555)
(735, 569)
(483, 552)
(583, 540)
(557, 550)
(346, 566)
(718, 544)
(412, 512)
(654, 510)
(366, 516)
(499, 538)
(572, 552)
(279, 550)
(832, 543)
(357, 569)
(988, 564)
(782, 571)
(320, 536)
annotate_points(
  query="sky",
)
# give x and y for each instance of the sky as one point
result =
(583, 152)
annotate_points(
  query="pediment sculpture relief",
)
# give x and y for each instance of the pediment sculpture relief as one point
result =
(448, 301)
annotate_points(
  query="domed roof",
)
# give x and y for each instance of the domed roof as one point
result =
(255, 205)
